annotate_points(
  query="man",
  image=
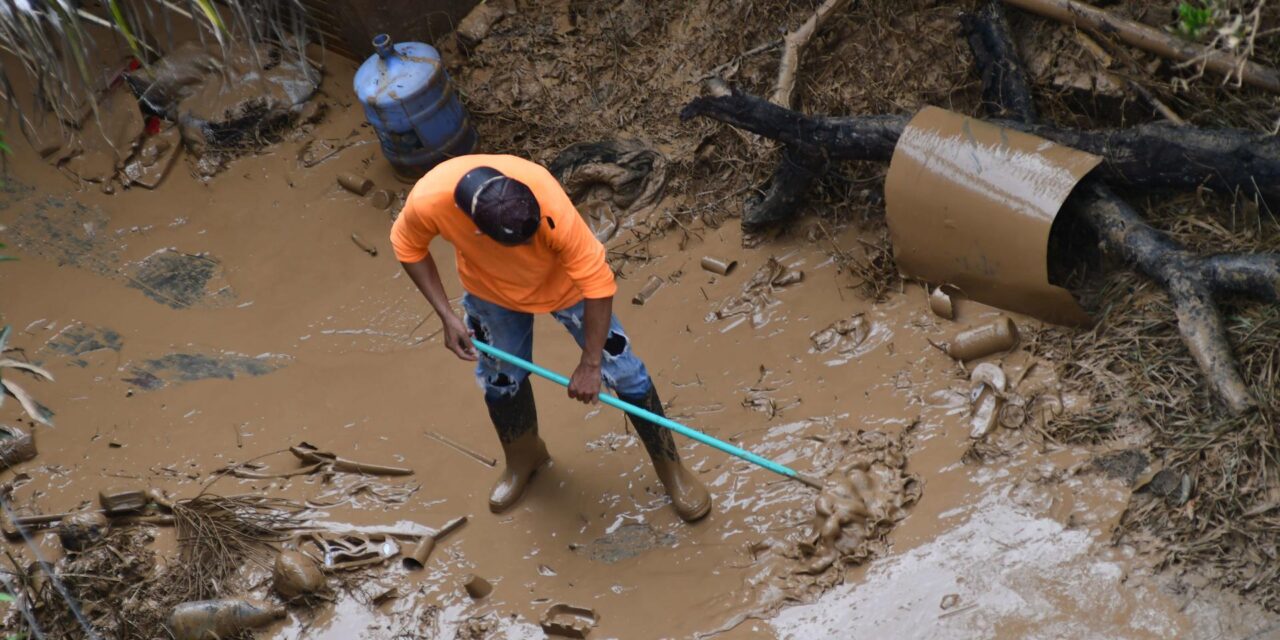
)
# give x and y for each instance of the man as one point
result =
(522, 248)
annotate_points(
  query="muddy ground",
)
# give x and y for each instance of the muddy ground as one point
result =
(220, 320)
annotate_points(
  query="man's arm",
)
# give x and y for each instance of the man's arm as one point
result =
(457, 338)
(596, 317)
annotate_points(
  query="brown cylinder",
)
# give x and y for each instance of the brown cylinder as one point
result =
(940, 303)
(358, 185)
(381, 199)
(418, 559)
(716, 265)
(476, 586)
(123, 500)
(985, 340)
(651, 287)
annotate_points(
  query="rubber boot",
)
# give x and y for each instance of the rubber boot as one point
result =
(516, 421)
(688, 495)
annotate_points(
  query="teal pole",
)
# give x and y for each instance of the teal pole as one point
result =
(613, 401)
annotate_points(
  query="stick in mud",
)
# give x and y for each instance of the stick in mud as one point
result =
(368, 248)
(308, 453)
(478, 457)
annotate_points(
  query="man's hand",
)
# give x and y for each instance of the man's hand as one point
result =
(457, 338)
(584, 386)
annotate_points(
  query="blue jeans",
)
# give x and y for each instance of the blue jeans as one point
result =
(512, 331)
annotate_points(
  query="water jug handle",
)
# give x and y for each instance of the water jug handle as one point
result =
(382, 44)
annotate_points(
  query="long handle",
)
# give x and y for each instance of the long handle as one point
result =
(613, 401)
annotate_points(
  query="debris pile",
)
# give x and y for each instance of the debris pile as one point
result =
(214, 106)
(757, 295)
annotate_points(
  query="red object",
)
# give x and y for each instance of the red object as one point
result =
(153, 125)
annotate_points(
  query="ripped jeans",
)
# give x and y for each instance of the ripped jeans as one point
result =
(512, 331)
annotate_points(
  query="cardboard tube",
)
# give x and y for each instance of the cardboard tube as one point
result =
(978, 342)
(651, 287)
(381, 199)
(476, 586)
(716, 265)
(418, 559)
(358, 185)
(971, 204)
(117, 500)
(941, 304)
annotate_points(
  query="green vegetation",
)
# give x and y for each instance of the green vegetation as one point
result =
(1195, 19)
(8, 599)
(55, 47)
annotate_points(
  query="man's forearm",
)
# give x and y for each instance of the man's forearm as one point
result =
(596, 316)
(427, 278)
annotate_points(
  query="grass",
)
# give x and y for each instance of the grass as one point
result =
(1145, 389)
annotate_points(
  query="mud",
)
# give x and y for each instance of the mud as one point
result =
(181, 280)
(176, 368)
(881, 414)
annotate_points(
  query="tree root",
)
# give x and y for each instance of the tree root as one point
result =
(1190, 281)
(797, 172)
(1005, 89)
(1152, 156)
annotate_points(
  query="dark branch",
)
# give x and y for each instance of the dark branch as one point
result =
(1150, 156)
(1005, 89)
(1126, 235)
(798, 170)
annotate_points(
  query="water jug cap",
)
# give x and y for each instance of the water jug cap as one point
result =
(382, 44)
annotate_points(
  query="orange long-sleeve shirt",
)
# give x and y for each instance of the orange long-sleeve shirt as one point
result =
(562, 264)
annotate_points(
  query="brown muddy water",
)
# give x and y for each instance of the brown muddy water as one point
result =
(214, 322)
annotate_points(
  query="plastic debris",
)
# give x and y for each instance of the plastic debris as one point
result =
(219, 619)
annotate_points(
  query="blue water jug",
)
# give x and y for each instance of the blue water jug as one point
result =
(410, 102)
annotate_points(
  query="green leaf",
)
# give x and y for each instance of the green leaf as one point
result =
(4, 597)
(211, 14)
(1194, 20)
(117, 16)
